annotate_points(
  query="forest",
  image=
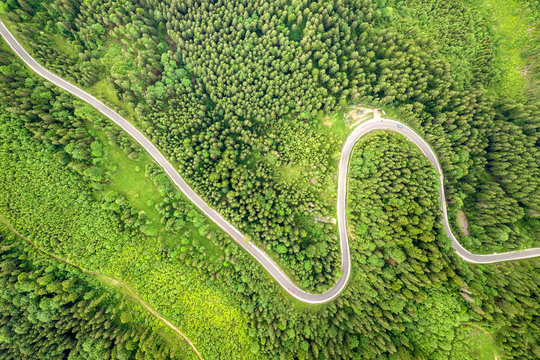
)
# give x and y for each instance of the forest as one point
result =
(247, 98)
(50, 311)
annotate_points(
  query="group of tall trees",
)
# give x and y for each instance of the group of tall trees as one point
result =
(409, 296)
(234, 92)
(66, 214)
(213, 83)
(50, 311)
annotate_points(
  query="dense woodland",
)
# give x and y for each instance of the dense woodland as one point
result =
(235, 93)
(51, 311)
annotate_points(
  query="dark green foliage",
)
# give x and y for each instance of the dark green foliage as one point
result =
(234, 93)
(51, 311)
(215, 85)
(513, 153)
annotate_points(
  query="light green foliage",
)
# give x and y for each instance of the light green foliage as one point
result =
(245, 97)
(49, 312)
(483, 40)
(58, 203)
(513, 23)
(3, 7)
(439, 318)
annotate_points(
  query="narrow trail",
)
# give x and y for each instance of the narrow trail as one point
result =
(110, 281)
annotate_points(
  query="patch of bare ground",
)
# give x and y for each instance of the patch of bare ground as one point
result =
(358, 114)
(463, 223)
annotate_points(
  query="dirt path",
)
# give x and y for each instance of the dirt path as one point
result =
(108, 280)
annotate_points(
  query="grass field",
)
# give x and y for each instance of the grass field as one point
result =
(513, 24)
(474, 342)
(104, 90)
(130, 180)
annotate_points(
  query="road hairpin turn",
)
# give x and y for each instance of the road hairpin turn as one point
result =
(277, 273)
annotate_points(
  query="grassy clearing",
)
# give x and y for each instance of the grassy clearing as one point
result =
(104, 90)
(468, 32)
(513, 24)
(130, 180)
(336, 123)
(474, 342)
(292, 173)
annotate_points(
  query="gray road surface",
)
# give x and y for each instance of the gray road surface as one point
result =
(376, 124)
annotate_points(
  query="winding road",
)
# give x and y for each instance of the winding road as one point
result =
(277, 273)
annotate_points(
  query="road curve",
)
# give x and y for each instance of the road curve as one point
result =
(263, 258)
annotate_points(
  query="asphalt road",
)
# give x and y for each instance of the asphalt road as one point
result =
(270, 266)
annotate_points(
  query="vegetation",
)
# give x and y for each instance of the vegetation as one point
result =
(487, 53)
(236, 94)
(514, 23)
(50, 311)
(63, 211)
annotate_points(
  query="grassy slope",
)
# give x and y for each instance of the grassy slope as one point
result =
(513, 22)
(142, 193)
(466, 33)
(139, 309)
(103, 89)
(170, 286)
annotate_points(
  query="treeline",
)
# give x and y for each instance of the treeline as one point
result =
(52, 311)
